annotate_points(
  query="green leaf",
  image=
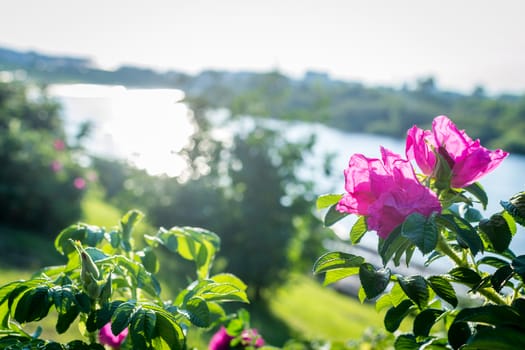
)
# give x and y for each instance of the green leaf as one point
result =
(498, 232)
(87, 234)
(515, 206)
(497, 315)
(465, 275)
(327, 200)
(194, 244)
(479, 192)
(492, 261)
(406, 342)
(149, 260)
(337, 260)
(396, 314)
(394, 244)
(501, 277)
(424, 322)
(470, 214)
(500, 338)
(415, 287)
(465, 233)
(333, 215)
(458, 334)
(168, 333)
(122, 316)
(32, 305)
(374, 281)
(128, 223)
(142, 328)
(196, 310)
(420, 231)
(102, 316)
(443, 289)
(519, 266)
(358, 230)
(66, 318)
(231, 279)
(333, 276)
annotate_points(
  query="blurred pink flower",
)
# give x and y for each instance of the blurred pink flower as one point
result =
(106, 336)
(386, 191)
(221, 339)
(59, 145)
(468, 160)
(79, 183)
(56, 166)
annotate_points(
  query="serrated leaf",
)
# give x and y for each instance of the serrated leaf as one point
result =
(333, 215)
(420, 231)
(415, 287)
(394, 244)
(198, 312)
(424, 322)
(497, 315)
(358, 230)
(501, 277)
(337, 260)
(396, 314)
(479, 192)
(465, 233)
(498, 232)
(406, 342)
(168, 333)
(501, 338)
(492, 261)
(142, 327)
(443, 289)
(122, 317)
(327, 200)
(32, 305)
(374, 281)
(465, 275)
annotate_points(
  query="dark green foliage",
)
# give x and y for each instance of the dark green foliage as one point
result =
(37, 163)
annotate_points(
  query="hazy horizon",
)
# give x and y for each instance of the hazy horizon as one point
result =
(380, 42)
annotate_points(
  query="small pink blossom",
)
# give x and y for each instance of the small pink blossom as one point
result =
(79, 183)
(56, 166)
(386, 191)
(59, 145)
(249, 337)
(106, 336)
(468, 160)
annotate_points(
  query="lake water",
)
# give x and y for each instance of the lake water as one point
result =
(148, 127)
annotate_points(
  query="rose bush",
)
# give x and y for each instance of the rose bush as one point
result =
(436, 213)
(109, 287)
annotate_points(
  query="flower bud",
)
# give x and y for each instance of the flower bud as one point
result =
(442, 172)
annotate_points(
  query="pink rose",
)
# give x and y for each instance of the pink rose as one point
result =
(106, 336)
(386, 191)
(468, 160)
(221, 340)
(59, 145)
(79, 183)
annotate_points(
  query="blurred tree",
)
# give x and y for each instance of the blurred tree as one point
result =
(40, 184)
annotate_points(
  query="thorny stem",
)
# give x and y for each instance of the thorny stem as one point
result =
(446, 249)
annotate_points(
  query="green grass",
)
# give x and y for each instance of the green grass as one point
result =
(317, 312)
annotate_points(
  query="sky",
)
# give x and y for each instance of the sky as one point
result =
(378, 42)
